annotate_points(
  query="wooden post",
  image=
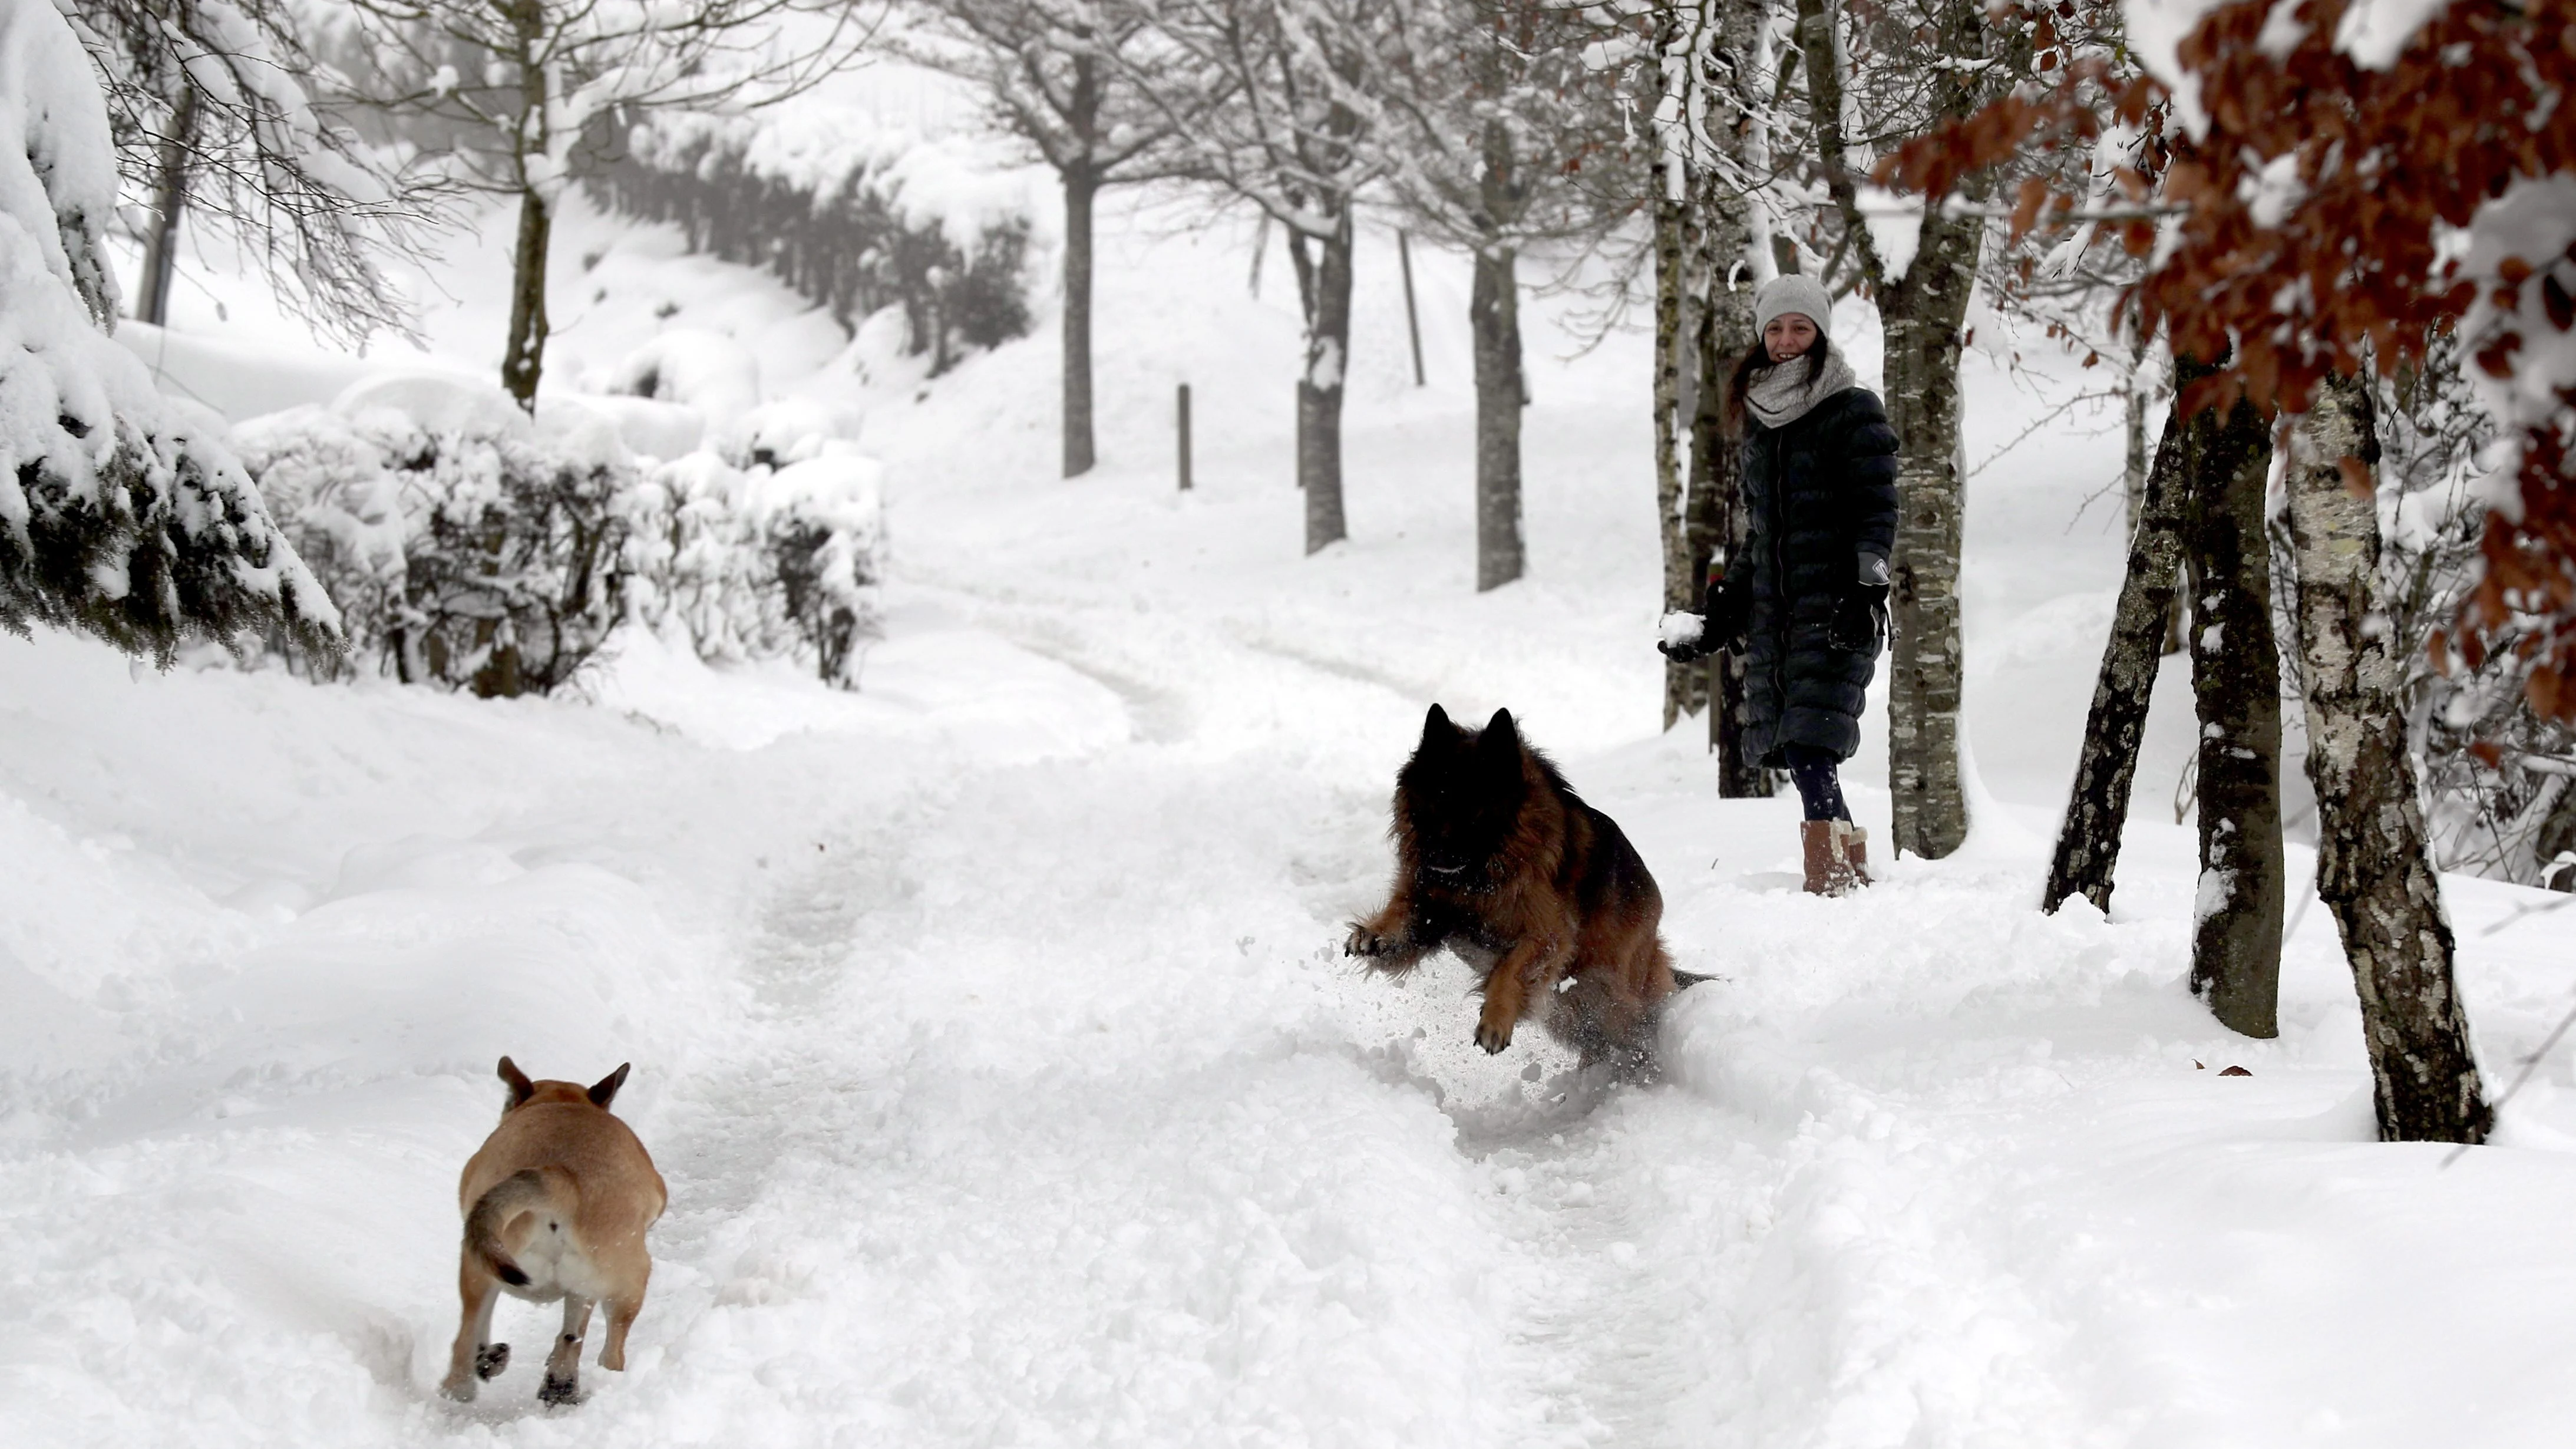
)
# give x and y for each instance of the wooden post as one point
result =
(1184, 412)
(1412, 320)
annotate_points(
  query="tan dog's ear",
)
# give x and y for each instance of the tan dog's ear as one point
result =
(604, 1091)
(520, 1086)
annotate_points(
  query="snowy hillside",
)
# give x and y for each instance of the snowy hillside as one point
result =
(989, 1024)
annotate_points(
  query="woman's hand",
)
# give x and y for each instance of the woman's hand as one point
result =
(1860, 619)
(1684, 638)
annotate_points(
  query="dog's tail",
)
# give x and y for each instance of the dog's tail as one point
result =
(487, 1227)
(1683, 980)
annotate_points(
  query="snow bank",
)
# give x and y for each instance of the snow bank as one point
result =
(705, 370)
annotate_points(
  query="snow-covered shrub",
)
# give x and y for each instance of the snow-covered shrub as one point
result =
(467, 545)
(2499, 777)
(762, 563)
(118, 516)
(473, 547)
(849, 214)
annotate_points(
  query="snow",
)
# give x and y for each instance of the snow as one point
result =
(988, 1026)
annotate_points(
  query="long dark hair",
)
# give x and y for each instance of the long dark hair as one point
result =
(1756, 358)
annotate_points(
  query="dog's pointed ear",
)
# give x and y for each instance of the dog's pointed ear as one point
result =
(1437, 726)
(604, 1091)
(520, 1086)
(1501, 731)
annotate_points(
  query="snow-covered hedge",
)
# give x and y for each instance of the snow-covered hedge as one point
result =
(853, 216)
(473, 547)
(762, 563)
(119, 515)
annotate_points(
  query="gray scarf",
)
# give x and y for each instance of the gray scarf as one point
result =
(1781, 394)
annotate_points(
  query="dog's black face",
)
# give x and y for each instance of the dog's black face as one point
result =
(1461, 794)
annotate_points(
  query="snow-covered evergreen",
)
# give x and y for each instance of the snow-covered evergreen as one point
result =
(121, 514)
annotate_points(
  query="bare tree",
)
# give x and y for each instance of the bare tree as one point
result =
(1904, 68)
(1283, 101)
(533, 86)
(1056, 74)
(2236, 684)
(1494, 120)
(227, 109)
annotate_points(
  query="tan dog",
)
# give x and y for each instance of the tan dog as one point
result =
(556, 1204)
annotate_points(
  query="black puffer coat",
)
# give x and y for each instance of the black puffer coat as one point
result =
(1822, 494)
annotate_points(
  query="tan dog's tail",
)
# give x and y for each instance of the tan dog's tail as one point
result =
(525, 1191)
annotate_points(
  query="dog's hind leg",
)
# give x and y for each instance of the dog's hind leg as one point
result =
(623, 1304)
(563, 1366)
(475, 1357)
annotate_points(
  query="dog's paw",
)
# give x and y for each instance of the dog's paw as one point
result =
(1493, 1038)
(559, 1392)
(490, 1360)
(1366, 944)
(462, 1389)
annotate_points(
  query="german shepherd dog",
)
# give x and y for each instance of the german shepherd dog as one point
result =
(556, 1204)
(1497, 859)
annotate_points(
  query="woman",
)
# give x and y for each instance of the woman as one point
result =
(1807, 597)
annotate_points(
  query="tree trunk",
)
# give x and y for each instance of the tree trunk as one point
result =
(2236, 680)
(1494, 310)
(2088, 843)
(1494, 315)
(2134, 479)
(524, 357)
(1319, 390)
(1920, 323)
(2373, 869)
(169, 199)
(1718, 520)
(1681, 585)
(1080, 187)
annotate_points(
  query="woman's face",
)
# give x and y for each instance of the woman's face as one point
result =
(1789, 335)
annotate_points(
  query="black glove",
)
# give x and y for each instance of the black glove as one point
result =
(1860, 620)
(1689, 651)
(1730, 612)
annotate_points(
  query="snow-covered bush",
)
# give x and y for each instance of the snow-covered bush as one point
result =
(467, 545)
(118, 517)
(473, 547)
(762, 563)
(2497, 772)
(855, 217)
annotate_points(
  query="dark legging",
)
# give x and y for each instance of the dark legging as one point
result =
(1812, 770)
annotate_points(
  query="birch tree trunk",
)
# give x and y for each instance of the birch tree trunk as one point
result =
(1921, 312)
(1319, 389)
(2374, 871)
(2088, 843)
(2236, 682)
(1717, 517)
(1681, 587)
(1920, 320)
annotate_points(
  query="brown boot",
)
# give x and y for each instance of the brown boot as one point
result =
(1816, 840)
(1854, 843)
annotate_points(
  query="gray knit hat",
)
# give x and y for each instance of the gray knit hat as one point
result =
(1793, 293)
